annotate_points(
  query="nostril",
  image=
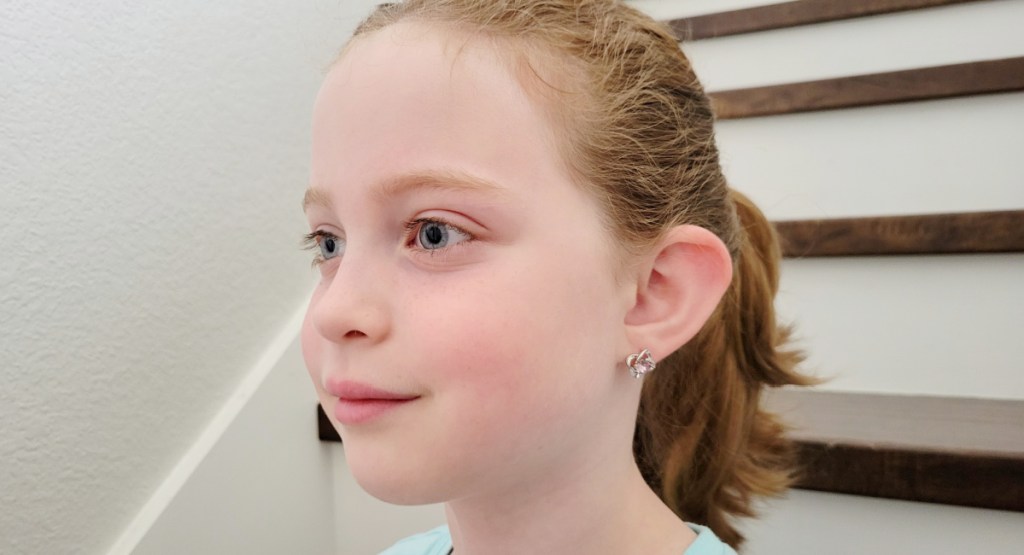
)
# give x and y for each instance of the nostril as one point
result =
(354, 334)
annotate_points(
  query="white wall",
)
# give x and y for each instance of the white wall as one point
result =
(152, 161)
(252, 482)
(257, 481)
(813, 523)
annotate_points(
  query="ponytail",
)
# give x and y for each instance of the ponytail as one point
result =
(702, 440)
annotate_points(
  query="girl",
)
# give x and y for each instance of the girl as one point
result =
(540, 304)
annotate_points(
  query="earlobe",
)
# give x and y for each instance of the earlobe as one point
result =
(678, 288)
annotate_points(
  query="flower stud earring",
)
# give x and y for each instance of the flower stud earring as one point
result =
(640, 363)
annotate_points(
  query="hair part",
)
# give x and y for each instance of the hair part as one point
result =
(636, 130)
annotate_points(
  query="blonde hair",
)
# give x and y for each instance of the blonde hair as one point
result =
(638, 133)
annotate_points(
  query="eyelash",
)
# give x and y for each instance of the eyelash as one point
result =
(311, 241)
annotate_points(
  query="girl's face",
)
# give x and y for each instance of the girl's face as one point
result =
(464, 268)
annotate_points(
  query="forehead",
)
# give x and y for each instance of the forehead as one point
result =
(413, 98)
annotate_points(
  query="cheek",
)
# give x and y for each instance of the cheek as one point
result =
(472, 338)
(515, 351)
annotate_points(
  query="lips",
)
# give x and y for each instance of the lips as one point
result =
(357, 391)
(359, 402)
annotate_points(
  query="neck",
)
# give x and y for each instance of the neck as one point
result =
(603, 507)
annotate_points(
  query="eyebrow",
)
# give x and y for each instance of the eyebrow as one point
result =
(315, 196)
(436, 180)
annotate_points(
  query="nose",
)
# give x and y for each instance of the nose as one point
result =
(352, 304)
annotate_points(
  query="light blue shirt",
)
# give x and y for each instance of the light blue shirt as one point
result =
(438, 541)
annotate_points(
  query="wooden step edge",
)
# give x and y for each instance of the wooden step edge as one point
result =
(909, 85)
(790, 14)
(949, 233)
(964, 478)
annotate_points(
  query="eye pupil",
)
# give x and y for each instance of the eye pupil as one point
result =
(329, 245)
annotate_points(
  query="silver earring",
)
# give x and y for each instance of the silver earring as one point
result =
(640, 363)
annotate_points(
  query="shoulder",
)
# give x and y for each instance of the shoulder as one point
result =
(707, 543)
(433, 542)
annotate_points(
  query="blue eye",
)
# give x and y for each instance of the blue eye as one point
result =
(436, 235)
(433, 235)
(330, 246)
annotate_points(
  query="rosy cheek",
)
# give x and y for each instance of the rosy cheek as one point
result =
(480, 344)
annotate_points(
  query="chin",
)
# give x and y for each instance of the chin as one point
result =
(413, 491)
(397, 484)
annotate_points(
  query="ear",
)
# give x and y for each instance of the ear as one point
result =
(679, 285)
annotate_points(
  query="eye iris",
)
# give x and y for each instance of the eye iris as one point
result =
(433, 236)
